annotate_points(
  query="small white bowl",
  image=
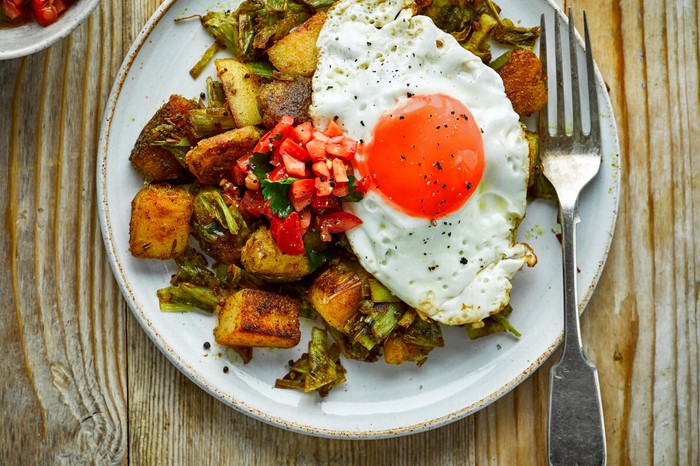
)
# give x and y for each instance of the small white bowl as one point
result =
(31, 37)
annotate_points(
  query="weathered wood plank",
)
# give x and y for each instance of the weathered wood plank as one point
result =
(63, 385)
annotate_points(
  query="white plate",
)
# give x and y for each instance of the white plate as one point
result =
(378, 400)
(31, 37)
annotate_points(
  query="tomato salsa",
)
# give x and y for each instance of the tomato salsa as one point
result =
(18, 12)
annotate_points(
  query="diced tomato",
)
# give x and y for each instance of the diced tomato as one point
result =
(333, 130)
(319, 136)
(363, 185)
(60, 6)
(275, 136)
(303, 133)
(11, 9)
(278, 174)
(301, 189)
(291, 148)
(337, 222)
(316, 149)
(323, 187)
(243, 163)
(325, 204)
(342, 147)
(340, 174)
(44, 11)
(301, 193)
(238, 175)
(341, 189)
(254, 204)
(321, 169)
(294, 167)
(287, 234)
(304, 221)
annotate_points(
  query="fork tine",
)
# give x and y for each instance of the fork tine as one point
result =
(561, 114)
(543, 124)
(575, 91)
(592, 88)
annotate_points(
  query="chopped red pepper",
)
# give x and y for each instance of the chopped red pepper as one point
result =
(337, 222)
(287, 234)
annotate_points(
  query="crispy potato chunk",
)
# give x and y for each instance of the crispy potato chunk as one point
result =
(285, 97)
(160, 222)
(211, 160)
(337, 292)
(153, 161)
(296, 54)
(256, 318)
(522, 79)
(241, 90)
(397, 351)
(262, 256)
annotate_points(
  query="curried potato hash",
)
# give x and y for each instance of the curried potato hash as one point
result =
(265, 193)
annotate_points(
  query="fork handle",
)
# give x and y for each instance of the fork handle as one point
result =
(576, 433)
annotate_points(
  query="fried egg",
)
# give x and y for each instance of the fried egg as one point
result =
(444, 154)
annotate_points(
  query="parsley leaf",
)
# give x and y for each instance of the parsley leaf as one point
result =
(277, 192)
(316, 258)
(353, 194)
(260, 165)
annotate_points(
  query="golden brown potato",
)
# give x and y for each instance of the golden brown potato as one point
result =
(285, 97)
(211, 160)
(337, 292)
(262, 256)
(296, 54)
(160, 222)
(241, 90)
(397, 351)
(522, 79)
(153, 161)
(258, 318)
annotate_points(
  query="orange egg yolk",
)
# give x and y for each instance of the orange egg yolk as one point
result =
(426, 156)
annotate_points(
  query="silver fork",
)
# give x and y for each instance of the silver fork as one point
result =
(576, 434)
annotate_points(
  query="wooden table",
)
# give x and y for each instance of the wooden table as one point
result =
(81, 382)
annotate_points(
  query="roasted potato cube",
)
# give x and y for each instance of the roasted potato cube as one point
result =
(241, 90)
(296, 54)
(211, 160)
(160, 222)
(397, 351)
(337, 292)
(285, 97)
(522, 78)
(151, 159)
(262, 256)
(258, 318)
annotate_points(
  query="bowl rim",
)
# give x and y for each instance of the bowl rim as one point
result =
(71, 19)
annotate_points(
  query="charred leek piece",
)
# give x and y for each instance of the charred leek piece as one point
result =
(213, 215)
(507, 33)
(371, 329)
(187, 297)
(192, 269)
(210, 121)
(380, 293)
(493, 324)
(166, 136)
(319, 370)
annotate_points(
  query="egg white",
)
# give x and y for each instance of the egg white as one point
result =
(373, 55)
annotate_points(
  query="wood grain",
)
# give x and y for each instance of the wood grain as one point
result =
(83, 384)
